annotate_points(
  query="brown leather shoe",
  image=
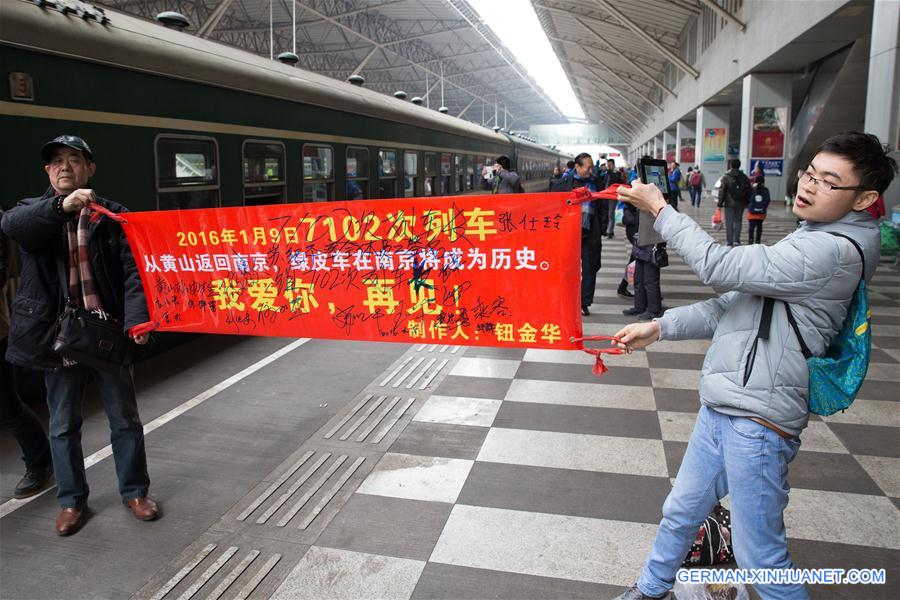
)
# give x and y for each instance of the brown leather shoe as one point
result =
(143, 508)
(69, 521)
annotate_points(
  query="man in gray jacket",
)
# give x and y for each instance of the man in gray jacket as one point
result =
(734, 196)
(754, 392)
(506, 181)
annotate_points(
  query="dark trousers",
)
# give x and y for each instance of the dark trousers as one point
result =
(611, 212)
(696, 192)
(754, 231)
(733, 218)
(676, 197)
(647, 295)
(19, 419)
(591, 244)
(65, 397)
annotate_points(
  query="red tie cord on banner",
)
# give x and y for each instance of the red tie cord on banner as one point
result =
(584, 194)
(600, 368)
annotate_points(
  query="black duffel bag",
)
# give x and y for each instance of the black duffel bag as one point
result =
(93, 338)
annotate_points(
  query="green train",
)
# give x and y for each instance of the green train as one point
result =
(176, 121)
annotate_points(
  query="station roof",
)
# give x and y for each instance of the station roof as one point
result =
(617, 52)
(396, 45)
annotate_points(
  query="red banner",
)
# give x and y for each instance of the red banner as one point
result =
(497, 270)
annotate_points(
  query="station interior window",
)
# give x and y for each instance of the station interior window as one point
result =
(357, 173)
(410, 173)
(387, 173)
(264, 176)
(431, 171)
(318, 173)
(187, 174)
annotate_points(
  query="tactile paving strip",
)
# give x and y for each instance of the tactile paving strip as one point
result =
(233, 571)
(319, 475)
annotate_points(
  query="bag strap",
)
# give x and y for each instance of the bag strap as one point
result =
(806, 353)
(765, 319)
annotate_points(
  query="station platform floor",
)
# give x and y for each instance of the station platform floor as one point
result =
(321, 469)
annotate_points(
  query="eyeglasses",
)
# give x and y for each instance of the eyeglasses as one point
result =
(825, 187)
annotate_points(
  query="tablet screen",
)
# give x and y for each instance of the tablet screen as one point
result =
(655, 172)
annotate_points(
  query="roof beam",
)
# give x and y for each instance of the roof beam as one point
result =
(725, 14)
(468, 106)
(352, 31)
(214, 18)
(654, 43)
(363, 62)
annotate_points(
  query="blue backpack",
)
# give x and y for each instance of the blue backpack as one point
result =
(835, 378)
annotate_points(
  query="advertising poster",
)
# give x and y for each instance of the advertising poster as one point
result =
(670, 153)
(774, 168)
(714, 143)
(769, 123)
(687, 153)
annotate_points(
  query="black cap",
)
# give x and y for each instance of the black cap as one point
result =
(71, 141)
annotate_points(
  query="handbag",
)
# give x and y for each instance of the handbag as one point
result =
(660, 256)
(92, 338)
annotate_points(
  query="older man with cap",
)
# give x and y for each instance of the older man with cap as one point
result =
(59, 238)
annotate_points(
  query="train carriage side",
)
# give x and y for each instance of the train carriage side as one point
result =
(180, 122)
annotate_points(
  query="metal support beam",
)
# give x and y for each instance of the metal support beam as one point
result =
(725, 14)
(358, 34)
(214, 18)
(468, 106)
(668, 54)
(607, 46)
(363, 62)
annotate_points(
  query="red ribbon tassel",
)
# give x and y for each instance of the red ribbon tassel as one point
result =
(583, 194)
(102, 210)
(599, 367)
(143, 328)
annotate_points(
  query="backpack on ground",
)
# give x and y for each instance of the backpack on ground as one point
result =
(835, 378)
(696, 179)
(713, 542)
(739, 190)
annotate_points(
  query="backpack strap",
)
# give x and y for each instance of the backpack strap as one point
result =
(806, 353)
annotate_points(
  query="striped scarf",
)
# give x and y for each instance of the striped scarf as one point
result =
(81, 281)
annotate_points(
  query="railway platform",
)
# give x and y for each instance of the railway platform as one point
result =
(325, 469)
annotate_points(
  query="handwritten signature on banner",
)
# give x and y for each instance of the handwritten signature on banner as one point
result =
(486, 270)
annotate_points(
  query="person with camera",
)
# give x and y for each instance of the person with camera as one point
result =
(506, 181)
(68, 255)
(755, 384)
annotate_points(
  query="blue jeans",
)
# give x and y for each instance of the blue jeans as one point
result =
(728, 455)
(65, 397)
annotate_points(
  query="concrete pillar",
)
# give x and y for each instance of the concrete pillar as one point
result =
(765, 127)
(712, 142)
(669, 147)
(685, 143)
(659, 149)
(883, 95)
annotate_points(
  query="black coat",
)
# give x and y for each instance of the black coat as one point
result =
(567, 183)
(35, 225)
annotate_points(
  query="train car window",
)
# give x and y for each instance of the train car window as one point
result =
(431, 171)
(410, 173)
(357, 173)
(264, 176)
(387, 173)
(446, 174)
(318, 173)
(470, 173)
(187, 173)
(460, 171)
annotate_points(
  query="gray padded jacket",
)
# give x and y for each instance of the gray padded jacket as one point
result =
(812, 270)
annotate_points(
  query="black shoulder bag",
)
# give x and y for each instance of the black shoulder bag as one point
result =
(92, 338)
